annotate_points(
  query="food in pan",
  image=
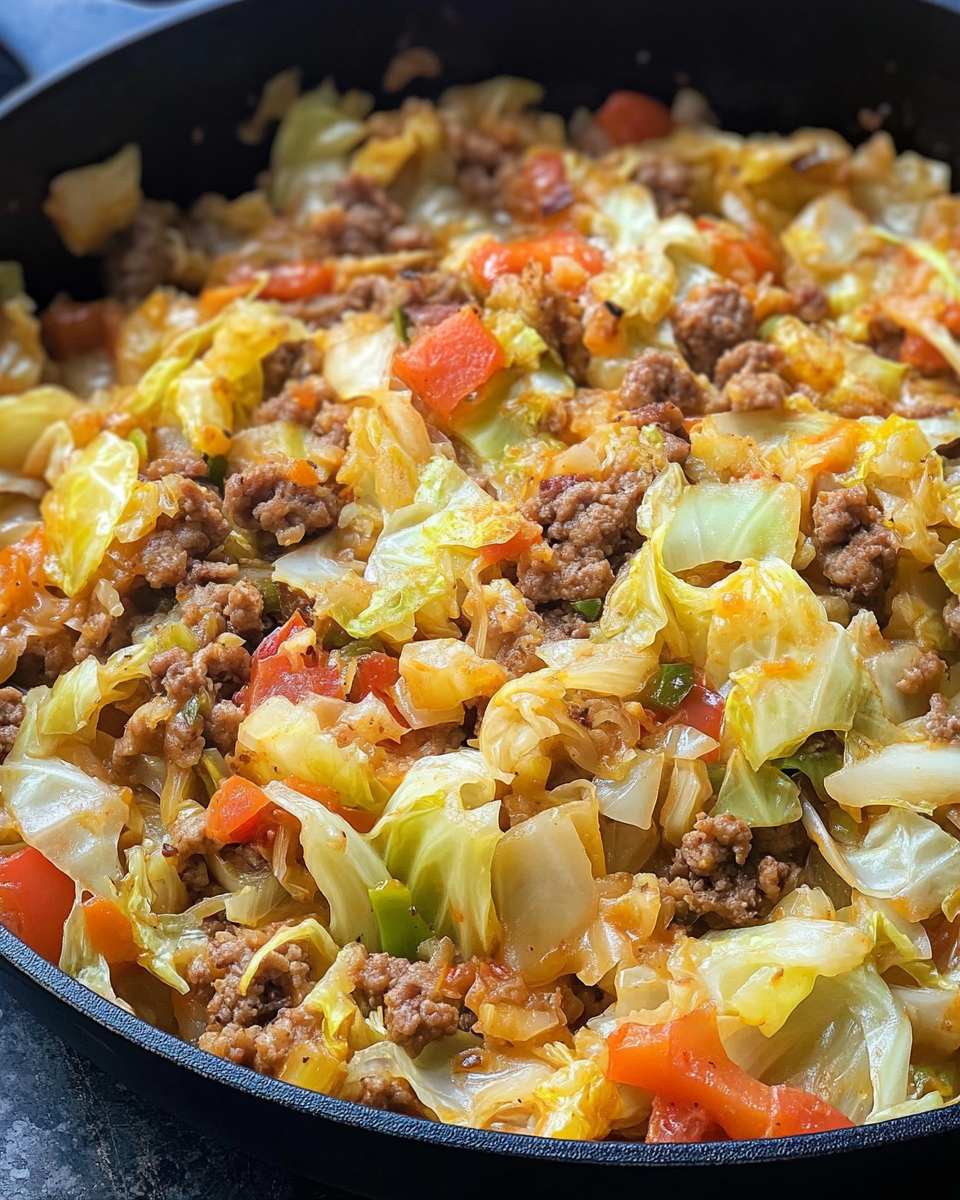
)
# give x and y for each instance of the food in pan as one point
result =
(480, 621)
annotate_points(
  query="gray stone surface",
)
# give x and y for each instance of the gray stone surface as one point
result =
(69, 1132)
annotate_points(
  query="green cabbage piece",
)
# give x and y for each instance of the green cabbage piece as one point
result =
(280, 739)
(82, 962)
(23, 418)
(344, 865)
(510, 411)
(72, 818)
(902, 857)
(83, 509)
(426, 547)
(764, 798)
(849, 1042)
(438, 835)
(762, 974)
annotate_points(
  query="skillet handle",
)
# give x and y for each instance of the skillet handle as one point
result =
(53, 36)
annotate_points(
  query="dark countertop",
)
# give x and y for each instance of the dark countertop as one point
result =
(69, 1132)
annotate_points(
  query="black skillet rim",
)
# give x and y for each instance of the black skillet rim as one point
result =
(190, 1058)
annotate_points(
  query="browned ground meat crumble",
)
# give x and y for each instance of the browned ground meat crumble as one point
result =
(922, 675)
(264, 497)
(163, 558)
(671, 182)
(660, 378)
(11, 717)
(586, 523)
(716, 871)
(951, 616)
(259, 1029)
(942, 723)
(714, 317)
(855, 549)
(749, 379)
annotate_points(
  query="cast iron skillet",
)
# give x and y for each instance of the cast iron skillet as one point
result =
(177, 79)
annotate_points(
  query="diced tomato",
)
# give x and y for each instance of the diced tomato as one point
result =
(630, 117)
(273, 673)
(685, 1061)
(493, 259)
(544, 178)
(288, 281)
(70, 327)
(671, 1121)
(703, 709)
(35, 900)
(360, 820)
(919, 353)
(238, 811)
(742, 257)
(21, 573)
(515, 546)
(273, 641)
(375, 673)
(449, 361)
(109, 930)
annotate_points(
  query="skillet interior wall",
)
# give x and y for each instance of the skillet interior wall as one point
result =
(762, 67)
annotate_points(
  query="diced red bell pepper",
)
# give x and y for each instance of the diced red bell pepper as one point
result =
(920, 353)
(514, 547)
(35, 900)
(374, 673)
(238, 811)
(739, 256)
(273, 673)
(702, 709)
(289, 281)
(450, 360)
(631, 117)
(109, 930)
(493, 259)
(21, 573)
(358, 818)
(671, 1121)
(685, 1061)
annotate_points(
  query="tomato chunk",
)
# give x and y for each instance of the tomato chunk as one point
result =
(109, 930)
(238, 811)
(515, 546)
(493, 259)
(375, 673)
(35, 900)
(630, 117)
(274, 673)
(684, 1061)
(451, 360)
(671, 1121)
(920, 353)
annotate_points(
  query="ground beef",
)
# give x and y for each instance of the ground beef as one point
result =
(264, 497)
(666, 417)
(923, 674)
(660, 378)
(671, 182)
(809, 302)
(586, 523)
(714, 317)
(259, 1029)
(415, 292)
(11, 717)
(943, 725)
(420, 1001)
(223, 724)
(717, 871)
(365, 221)
(855, 548)
(214, 608)
(164, 557)
(560, 324)
(290, 361)
(886, 337)
(951, 616)
(748, 375)
(480, 162)
(561, 622)
(97, 630)
(389, 1095)
(140, 258)
(172, 454)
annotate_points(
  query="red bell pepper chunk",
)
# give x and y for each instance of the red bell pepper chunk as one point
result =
(493, 259)
(702, 709)
(684, 1061)
(514, 547)
(21, 573)
(273, 673)
(920, 353)
(273, 641)
(671, 1121)
(449, 361)
(35, 900)
(361, 820)
(289, 281)
(238, 811)
(630, 117)
(375, 673)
